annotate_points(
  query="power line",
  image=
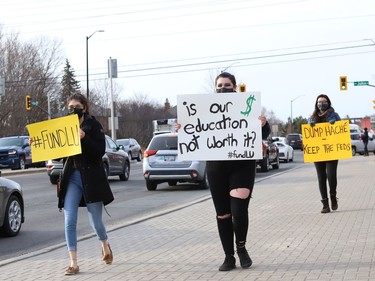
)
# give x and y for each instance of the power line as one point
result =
(179, 8)
(225, 61)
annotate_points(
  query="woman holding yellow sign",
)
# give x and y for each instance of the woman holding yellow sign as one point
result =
(84, 183)
(324, 112)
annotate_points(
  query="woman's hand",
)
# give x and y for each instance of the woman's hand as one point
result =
(177, 127)
(82, 134)
(263, 120)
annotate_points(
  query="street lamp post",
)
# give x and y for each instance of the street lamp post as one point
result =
(87, 62)
(291, 113)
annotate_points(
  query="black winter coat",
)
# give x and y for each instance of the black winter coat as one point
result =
(90, 164)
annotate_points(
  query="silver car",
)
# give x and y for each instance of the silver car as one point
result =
(358, 145)
(116, 163)
(132, 147)
(161, 164)
(11, 207)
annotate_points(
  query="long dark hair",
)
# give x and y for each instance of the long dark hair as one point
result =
(82, 99)
(315, 116)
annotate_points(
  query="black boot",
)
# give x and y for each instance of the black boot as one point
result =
(334, 201)
(326, 208)
(229, 263)
(245, 259)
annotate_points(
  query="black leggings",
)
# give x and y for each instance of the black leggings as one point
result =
(223, 176)
(327, 170)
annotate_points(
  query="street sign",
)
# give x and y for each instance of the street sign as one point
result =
(360, 83)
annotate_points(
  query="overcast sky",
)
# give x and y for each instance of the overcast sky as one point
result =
(287, 50)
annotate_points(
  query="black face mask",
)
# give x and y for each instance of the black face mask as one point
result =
(323, 106)
(78, 111)
(225, 90)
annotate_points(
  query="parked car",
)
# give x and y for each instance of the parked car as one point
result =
(295, 141)
(132, 147)
(270, 153)
(116, 163)
(162, 164)
(54, 167)
(116, 160)
(15, 153)
(358, 145)
(286, 152)
(280, 139)
(11, 207)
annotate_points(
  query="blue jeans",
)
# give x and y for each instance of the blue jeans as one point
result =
(73, 197)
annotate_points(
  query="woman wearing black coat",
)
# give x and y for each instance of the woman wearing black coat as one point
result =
(84, 183)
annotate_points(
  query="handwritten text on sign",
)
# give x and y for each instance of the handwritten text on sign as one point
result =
(325, 141)
(55, 138)
(219, 126)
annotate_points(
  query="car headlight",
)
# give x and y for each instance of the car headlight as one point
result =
(12, 152)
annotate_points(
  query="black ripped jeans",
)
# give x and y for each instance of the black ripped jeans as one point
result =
(327, 170)
(223, 176)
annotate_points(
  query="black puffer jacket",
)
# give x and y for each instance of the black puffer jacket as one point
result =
(95, 184)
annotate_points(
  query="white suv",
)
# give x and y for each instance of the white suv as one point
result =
(161, 164)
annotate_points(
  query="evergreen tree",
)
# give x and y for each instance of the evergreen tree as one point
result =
(69, 84)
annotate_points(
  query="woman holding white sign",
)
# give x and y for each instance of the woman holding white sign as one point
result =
(231, 184)
(324, 112)
(84, 183)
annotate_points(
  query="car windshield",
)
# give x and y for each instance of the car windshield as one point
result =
(294, 137)
(11, 142)
(123, 142)
(164, 143)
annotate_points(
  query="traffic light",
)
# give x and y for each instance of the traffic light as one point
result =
(343, 83)
(28, 102)
(242, 87)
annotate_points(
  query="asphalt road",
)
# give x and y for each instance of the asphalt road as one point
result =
(44, 225)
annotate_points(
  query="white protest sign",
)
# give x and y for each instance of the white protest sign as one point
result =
(221, 126)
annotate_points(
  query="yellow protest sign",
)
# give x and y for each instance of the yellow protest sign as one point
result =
(55, 138)
(325, 141)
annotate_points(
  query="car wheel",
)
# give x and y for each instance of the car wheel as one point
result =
(264, 165)
(126, 172)
(287, 158)
(172, 183)
(21, 164)
(151, 185)
(354, 150)
(291, 159)
(130, 155)
(277, 164)
(204, 183)
(139, 158)
(53, 179)
(13, 217)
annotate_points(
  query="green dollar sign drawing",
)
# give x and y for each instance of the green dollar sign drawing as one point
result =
(249, 103)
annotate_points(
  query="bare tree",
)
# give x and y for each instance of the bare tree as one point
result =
(136, 115)
(28, 69)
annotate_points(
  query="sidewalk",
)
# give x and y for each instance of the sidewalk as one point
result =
(289, 239)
